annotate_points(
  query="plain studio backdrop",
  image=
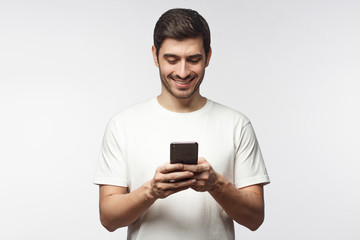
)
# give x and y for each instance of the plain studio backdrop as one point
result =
(293, 67)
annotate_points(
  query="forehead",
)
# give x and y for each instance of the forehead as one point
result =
(186, 47)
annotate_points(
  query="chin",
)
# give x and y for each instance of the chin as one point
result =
(183, 95)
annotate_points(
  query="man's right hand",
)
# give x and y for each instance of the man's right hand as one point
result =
(118, 208)
(169, 179)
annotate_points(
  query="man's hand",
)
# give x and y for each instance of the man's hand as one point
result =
(204, 174)
(169, 179)
(245, 205)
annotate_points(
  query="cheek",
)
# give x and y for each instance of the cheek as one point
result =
(166, 69)
(198, 69)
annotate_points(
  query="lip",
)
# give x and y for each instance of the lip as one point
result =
(181, 85)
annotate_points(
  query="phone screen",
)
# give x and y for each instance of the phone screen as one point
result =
(184, 152)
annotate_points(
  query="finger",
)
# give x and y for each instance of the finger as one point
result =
(202, 176)
(178, 176)
(167, 167)
(200, 186)
(197, 168)
(172, 176)
(180, 184)
(201, 160)
(160, 187)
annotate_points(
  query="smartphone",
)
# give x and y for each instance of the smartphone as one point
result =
(184, 152)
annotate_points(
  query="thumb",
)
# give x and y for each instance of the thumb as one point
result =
(201, 160)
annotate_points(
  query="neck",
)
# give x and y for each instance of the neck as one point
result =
(174, 104)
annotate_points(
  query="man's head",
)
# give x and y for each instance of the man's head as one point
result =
(181, 51)
(181, 24)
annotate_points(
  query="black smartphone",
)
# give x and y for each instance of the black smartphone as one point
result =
(184, 152)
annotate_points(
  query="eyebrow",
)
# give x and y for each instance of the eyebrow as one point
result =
(200, 56)
(170, 55)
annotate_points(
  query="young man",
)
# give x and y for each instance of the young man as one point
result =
(180, 201)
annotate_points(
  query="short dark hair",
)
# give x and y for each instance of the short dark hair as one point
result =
(180, 24)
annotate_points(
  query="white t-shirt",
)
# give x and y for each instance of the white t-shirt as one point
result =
(137, 141)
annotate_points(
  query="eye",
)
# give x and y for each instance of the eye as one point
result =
(171, 61)
(194, 60)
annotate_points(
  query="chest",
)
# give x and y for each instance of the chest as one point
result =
(148, 146)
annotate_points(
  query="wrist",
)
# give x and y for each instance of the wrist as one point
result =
(150, 195)
(217, 187)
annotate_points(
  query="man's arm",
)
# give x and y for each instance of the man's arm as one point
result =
(245, 205)
(118, 208)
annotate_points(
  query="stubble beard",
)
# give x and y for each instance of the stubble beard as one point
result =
(168, 88)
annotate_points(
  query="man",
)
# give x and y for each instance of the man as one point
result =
(180, 201)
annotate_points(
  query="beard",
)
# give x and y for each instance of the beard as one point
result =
(185, 94)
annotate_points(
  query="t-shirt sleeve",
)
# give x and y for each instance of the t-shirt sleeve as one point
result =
(111, 168)
(249, 164)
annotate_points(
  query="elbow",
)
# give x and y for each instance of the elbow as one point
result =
(256, 224)
(254, 227)
(109, 228)
(111, 224)
(111, 220)
(252, 222)
(107, 224)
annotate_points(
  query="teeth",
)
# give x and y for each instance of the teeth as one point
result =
(181, 82)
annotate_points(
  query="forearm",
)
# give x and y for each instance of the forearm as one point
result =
(245, 207)
(119, 210)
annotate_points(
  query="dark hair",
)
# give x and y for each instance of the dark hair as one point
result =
(181, 24)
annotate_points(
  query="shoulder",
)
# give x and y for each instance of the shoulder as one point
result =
(138, 110)
(221, 111)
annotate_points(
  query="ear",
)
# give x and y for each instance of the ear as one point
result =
(208, 57)
(153, 49)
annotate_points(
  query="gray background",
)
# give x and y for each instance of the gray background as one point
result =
(67, 66)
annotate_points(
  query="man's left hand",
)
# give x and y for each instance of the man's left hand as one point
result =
(204, 174)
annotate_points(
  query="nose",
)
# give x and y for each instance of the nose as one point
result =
(182, 70)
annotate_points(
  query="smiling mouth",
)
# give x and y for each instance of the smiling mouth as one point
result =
(183, 82)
